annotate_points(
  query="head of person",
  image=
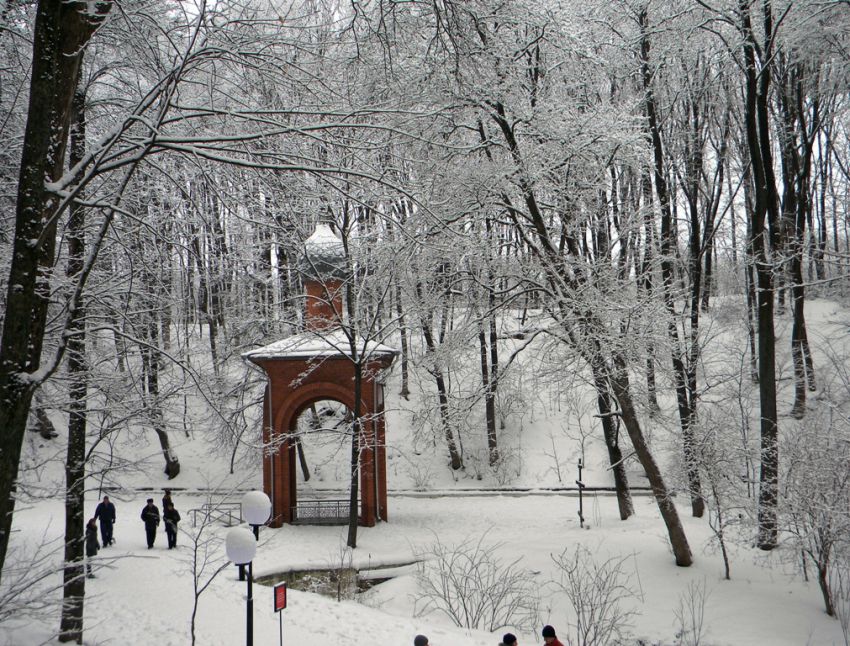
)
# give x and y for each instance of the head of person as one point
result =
(548, 634)
(106, 499)
(92, 522)
(420, 640)
(168, 492)
(169, 505)
(150, 501)
(509, 640)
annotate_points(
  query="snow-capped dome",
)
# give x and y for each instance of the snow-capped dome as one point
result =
(324, 255)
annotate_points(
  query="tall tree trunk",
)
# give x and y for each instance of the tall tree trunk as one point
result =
(489, 400)
(443, 398)
(405, 353)
(150, 364)
(354, 460)
(74, 583)
(668, 253)
(794, 230)
(611, 433)
(750, 280)
(166, 279)
(757, 125)
(493, 340)
(733, 222)
(61, 33)
(675, 530)
(494, 361)
(645, 283)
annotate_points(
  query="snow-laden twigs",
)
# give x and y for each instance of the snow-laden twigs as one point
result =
(690, 614)
(598, 591)
(474, 587)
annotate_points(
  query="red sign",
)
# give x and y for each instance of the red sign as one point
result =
(279, 597)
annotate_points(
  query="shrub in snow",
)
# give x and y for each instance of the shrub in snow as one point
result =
(839, 581)
(596, 591)
(817, 495)
(690, 615)
(475, 588)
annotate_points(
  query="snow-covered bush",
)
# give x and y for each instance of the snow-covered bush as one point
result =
(597, 592)
(839, 582)
(817, 494)
(690, 614)
(474, 587)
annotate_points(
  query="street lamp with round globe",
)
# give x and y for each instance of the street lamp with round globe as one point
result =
(240, 549)
(241, 546)
(256, 509)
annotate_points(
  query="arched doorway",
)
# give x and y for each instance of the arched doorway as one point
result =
(321, 433)
(295, 384)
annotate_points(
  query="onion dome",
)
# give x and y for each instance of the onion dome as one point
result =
(324, 256)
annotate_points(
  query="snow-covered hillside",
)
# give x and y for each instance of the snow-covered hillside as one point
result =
(520, 517)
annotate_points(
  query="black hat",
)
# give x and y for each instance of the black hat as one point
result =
(548, 631)
(420, 640)
(509, 639)
(150, 499)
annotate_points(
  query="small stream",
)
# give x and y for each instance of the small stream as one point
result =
(337, 583)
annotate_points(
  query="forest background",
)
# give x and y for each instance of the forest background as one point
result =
(523, 192)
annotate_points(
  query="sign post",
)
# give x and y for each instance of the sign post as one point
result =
(580, 491)
(280, 604)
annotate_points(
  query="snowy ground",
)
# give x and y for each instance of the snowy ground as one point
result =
(143, 597)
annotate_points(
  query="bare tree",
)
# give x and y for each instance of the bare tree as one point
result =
(474, 587)
(207, 562)
(817, 490)
(597, 591)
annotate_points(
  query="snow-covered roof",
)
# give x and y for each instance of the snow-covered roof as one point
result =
(324, 255)
(312, 344)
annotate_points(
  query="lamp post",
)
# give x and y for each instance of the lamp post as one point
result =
(241, 546)
(256, 509)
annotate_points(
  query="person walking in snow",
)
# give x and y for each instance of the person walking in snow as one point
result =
(105, 513)
(166, 499)
(171, 517)
(91, 545)
(150, 515)
(549, 637)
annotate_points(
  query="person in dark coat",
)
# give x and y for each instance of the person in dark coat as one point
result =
(166, 499)
(150, 515)
(171, 517)
(105, 513)
(91, 545)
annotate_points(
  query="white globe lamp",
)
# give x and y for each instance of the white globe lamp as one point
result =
(256, 509)
(241, 545)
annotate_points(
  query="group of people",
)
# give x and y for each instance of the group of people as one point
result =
(151, 518)
(509, 639)
(105, 514)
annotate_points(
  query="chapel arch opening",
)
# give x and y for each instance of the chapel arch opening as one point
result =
(321, 432)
